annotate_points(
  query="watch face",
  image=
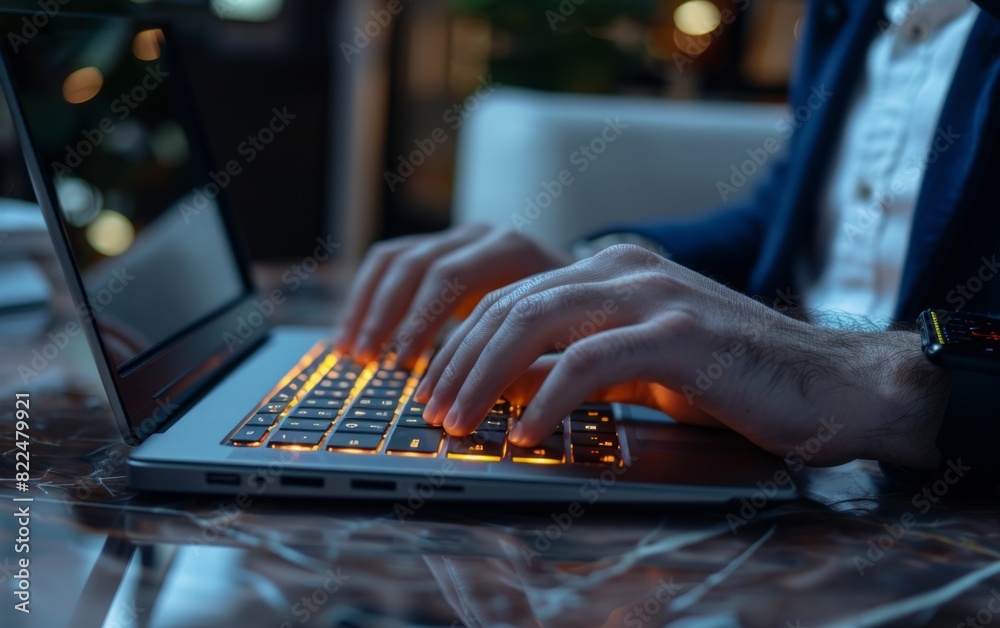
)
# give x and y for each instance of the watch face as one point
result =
(959, 335)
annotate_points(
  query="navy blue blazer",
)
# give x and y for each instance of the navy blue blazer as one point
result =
(756, 245)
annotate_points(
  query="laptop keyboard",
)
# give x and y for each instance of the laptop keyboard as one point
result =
(329, 403)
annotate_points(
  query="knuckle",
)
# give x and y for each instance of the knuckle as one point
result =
(384, 248)
(486, 303)
(441, 269)
(449, 375)
(415, 256)
(627, 252)
(529, 310)
(496, 313)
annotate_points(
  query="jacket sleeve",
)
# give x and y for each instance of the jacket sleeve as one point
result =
(990, 6)
(723, 245)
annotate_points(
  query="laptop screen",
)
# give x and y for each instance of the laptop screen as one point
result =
(135, 207)
(136, 202)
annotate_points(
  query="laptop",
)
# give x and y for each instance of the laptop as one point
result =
(216, 400)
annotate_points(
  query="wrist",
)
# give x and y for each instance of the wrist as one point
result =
(914, 397)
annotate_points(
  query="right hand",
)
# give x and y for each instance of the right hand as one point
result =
(408, 288)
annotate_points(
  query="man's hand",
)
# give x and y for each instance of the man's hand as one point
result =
(408, 288)
(634, 323)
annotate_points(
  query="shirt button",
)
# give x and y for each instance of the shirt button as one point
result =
(864, 191)
(917, 33)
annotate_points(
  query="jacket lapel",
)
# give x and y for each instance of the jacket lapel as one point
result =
(969, 121)
(841, 33)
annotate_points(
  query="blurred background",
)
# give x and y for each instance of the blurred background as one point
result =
(367, 84)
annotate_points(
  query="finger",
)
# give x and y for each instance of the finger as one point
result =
(396, 287)
(494, 304)
(491, 358)
(593, 363)
(363, 288)
(451, 284)
(522, 390)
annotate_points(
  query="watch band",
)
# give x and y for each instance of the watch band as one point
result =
(970, 431)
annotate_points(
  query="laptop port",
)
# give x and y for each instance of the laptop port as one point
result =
(298, 480)
(373, 485)
(228, 479)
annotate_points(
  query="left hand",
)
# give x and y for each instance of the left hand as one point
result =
(637, 324)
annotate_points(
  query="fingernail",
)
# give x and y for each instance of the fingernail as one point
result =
(451, 421)
(431, 411)
(420, 395)
(516, 434)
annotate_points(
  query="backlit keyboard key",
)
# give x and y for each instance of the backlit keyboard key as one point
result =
(313, 413)
(595, 454)
(493, 424)
(321, 402)
(366, 427)
(309, 425)
(415, 421)
(377, 393)
(366, 442)
(549, 451)
(273, 408)
(250, 435)
(325, 393)
(600, 426)
(384, 384)
(479, 446)
(594, 439)
(295, 438)
(267, 420)
(385, 404)
(413, 440)
(368, 413)
(334, 384)
(414, 409)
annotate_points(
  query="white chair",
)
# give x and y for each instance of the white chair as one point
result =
(658, 158)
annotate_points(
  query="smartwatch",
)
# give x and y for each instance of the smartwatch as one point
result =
(968, 346)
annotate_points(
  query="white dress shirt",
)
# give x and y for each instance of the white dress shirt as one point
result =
(890, 137)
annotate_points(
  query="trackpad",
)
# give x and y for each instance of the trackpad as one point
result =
(677, 437)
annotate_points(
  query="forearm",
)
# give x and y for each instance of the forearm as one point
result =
(889, 397)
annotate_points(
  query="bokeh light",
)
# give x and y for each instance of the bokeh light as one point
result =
(111, 233)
